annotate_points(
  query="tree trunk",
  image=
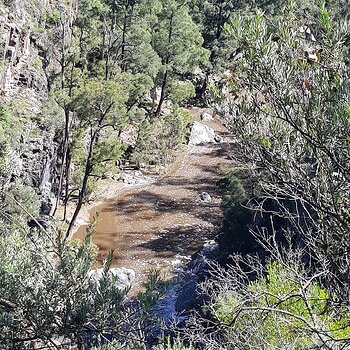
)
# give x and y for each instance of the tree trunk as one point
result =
(200, 91)
(123, 44)
(219, 24)
(66, 191)
(82, 192)
(167, 61)
(64, 158)
(66, 150)
(162, 94)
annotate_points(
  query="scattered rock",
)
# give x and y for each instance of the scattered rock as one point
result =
(203, 198)
(201, 134)
(218, 139)
(135, 178)
(179, 262)
(129, 135)
(206, 116)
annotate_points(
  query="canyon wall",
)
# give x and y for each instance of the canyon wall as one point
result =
(32, 35)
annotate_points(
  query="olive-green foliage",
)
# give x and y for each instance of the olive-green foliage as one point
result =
(50, 293)
(177, 126)
(101, 102)
(137, 85)
(106, 151)
(277, 311)
(184, 52)
(140, 20)
(237, 217)
(211, 15)
(292, 122)
(52, 114)
(51, 18)
(143, 145)
(179, 44)
(159, 138)
(154, 289)
(13, 201)
(89, 25)
(5, 133)
(180, 91)
(100, 106)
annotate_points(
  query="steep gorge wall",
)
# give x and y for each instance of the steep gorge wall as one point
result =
(29, 62)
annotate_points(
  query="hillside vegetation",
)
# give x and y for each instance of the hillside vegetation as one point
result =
(276, 71)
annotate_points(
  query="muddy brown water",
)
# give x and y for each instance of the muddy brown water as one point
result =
(150, 226)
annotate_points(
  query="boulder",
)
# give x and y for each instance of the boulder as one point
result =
(206, 116)
(203, 198)
(135, 178)
(218, 139)
(188, 296)
(201, 134)
(124, 277)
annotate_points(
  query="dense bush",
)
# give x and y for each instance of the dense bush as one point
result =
(293, 126)
(46, 291)
(159, 138)
(281, 308)
(289, 102)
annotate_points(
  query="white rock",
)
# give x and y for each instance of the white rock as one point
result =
(124, 277)
(129, 135)
(206, 116)
(204, 197)
(201, 134)
(218, 138)
(128, 178)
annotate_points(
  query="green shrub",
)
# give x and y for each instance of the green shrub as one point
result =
(172, 344)
(237, 217)
(18, 197)
(47, 286)
(181, 91)
(278, 310)
(159, 138)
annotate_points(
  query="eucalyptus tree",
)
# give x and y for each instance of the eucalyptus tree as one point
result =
(178, 42)
(72, 39)
(127, 37)
(100, 105)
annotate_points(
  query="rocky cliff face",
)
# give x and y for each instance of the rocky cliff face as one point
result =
(29, 61)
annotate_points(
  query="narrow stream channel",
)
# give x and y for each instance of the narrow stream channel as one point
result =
(157, 225)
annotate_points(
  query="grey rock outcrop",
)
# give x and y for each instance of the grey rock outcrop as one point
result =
(29, 59)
